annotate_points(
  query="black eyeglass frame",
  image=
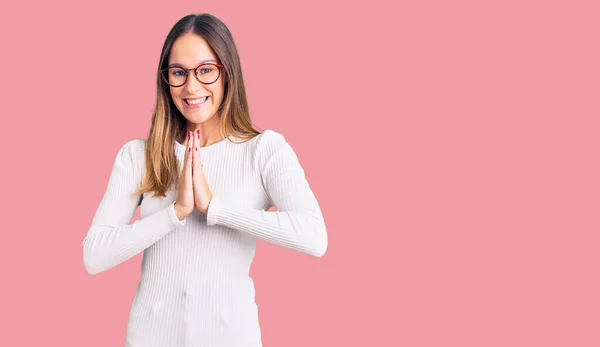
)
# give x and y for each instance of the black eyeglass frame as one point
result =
(187, 72)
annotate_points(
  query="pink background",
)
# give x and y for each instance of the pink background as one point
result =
(453, 147)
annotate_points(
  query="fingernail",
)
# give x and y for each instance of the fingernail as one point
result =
(198, 132)
(196, 149)
(189, 134)
(189, 149)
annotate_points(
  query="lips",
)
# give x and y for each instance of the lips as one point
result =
(197, 101)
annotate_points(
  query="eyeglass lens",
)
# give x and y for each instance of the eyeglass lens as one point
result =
(176, 76)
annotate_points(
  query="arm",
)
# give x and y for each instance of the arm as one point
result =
(297, 224)
(111, 239)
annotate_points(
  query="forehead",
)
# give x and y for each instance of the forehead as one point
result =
(190, 50)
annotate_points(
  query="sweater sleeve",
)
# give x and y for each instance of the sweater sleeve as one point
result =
(111, 239)
(298, 223)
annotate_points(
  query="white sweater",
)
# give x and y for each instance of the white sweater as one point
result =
(195, 288)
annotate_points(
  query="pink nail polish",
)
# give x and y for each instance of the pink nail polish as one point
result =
(196, 149)
(189, 149)
(189, 134)
(198, 132)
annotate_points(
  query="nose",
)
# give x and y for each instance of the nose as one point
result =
(192, 84)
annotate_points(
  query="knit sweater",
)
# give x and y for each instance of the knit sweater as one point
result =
(195, 287)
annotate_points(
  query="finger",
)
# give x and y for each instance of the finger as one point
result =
(188, 157)
(197, 158)
(195, 142)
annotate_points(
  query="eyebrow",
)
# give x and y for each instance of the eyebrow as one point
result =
(201, 62)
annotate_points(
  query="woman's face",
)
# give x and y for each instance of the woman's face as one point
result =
(189, 51)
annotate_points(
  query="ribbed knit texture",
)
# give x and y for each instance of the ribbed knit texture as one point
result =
(195, 289)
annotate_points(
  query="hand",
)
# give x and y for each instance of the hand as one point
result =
(202, 193)
(185, 201)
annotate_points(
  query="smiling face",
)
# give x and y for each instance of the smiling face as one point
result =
(189, 51)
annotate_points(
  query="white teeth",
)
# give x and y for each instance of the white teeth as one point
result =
(197, 101)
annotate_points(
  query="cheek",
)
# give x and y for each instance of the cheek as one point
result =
(174, 95)
(177, 101)
(218, 92)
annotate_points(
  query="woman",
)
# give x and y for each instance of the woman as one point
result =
(204, 180)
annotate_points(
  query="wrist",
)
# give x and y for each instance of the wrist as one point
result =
(204, 207)
(179, 212)
(209, 201)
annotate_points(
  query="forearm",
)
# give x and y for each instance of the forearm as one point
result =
(300, 231)
(107, 246)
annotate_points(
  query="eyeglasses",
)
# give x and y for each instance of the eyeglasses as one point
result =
(176, 76)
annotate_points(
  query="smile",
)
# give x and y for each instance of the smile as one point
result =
(198, 101)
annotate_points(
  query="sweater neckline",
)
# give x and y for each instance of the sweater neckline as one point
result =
(212, 146)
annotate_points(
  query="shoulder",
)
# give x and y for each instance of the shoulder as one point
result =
(133, 147)
(269, 140)
(271, 134)
(131, 151)
(273, 145)
(129, 160)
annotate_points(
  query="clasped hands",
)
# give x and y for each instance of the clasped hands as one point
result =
(193, 187)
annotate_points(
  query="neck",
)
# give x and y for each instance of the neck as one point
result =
(209, 134)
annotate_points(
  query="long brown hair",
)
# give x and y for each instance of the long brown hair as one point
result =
(168, 124)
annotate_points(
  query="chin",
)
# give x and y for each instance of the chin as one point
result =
(197, 116)
(200, 118)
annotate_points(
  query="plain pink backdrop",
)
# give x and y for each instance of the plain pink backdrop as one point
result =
(453, 147)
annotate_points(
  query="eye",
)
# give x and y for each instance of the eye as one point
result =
(206, 70)
(177, 72)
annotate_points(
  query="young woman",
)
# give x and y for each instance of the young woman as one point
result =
(204, 180)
